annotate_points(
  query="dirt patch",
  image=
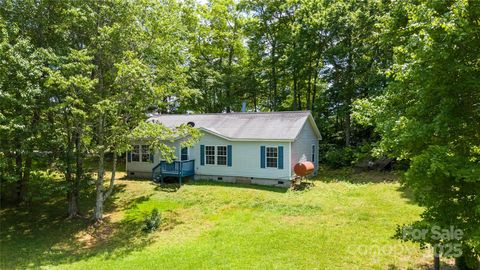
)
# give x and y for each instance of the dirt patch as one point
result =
(170, 219)
(95, 235)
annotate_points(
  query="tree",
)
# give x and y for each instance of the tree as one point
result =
(22, 74)
(268, 33)
(80, 76)
(217, 56)
(430, 116)
(69, 86)
(34, 26)
(138, 53)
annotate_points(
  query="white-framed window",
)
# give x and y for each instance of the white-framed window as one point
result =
(313, 153)
(271, 157)
(136, 153)
(140, 153)
(221, 155)
(184, 153)
(210, 154)
(145, 153)
(216, 155)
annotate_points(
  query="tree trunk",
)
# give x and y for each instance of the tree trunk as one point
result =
(27, 168)
(79, 168)
(25, 177)
(254, 101)
(309, 83)
(314, 92)
(19, 173)
(73, 191)
(299, 95)
(436, 262)
(294, 105)
(229, 80)
(71, 198)
(349, 91)
(112, 178)
(231, 51)
(274, 78)
(347, 128)
(98, 212)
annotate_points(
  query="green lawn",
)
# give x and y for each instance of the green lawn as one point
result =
(345, 221)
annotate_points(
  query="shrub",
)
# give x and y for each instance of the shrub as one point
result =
(152, 221)
(339, 157)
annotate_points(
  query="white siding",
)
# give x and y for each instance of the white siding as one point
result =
(302, 146)
(245, 159)
(147, 167)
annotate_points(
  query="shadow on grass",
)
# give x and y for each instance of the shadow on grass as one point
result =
(303, 186)
(238, 185)
(41, 235)
(407, 194)
(167, 187)
(424, 267)
(351, 176)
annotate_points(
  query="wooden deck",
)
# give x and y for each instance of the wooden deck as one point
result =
(176, 168)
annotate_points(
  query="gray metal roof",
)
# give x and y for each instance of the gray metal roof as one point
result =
(244, 126)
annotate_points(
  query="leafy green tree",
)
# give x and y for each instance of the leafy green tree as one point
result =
(138, 51)
(218, 54)
(79, 76)
(22, 74)
(430, 115)
(268, 30)
(70, 87)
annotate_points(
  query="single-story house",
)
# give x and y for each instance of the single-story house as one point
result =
(248, 147)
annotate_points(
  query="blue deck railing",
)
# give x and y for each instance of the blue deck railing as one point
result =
(175, 168)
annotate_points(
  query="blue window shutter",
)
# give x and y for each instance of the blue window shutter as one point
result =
(202, 154)
(262, 156)
(129, 156)
(280, 157)
(229, 155)
(313, 153)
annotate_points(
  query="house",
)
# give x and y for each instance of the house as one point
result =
(259, 148)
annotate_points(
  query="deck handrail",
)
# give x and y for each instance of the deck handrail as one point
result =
(175, 168)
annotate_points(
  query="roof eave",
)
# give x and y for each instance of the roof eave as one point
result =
(245, 139)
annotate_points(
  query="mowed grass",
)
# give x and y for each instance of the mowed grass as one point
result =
(346, 221)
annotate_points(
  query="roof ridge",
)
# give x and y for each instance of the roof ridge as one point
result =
(230, 113)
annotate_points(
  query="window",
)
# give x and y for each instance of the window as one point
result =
(210, 155)
(221, 155)
(313, 153)
(140, 153)
(216, 155)
(184, 154)
(136, 153)
(272, 157)
(145, 153)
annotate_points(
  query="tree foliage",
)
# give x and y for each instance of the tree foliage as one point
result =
(78, 80)
(430, 113)
(79, 77)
